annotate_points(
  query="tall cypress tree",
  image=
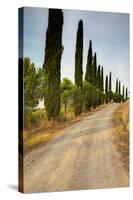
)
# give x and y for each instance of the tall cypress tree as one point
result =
(99, 77)
(106, 89)
(119, 88)
(98, 81)
(110, 82)
(123, 93)
(52, 63)
(116, 89)
(102, 86)
(119, 91)
(94, 70)
(126, 93)
(94, 81)
(78, 68)
(88, 75)
(110, 86)
(102, 80)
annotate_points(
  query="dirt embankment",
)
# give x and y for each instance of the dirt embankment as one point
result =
(121, 132)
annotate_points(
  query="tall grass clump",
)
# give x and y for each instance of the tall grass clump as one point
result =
(35, 118)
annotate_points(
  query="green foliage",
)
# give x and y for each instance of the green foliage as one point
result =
(106, 90)
(66, 84)
(78, 69)
(88, 75)
(96, 97)
(119, 87)
(87, 95)
(110, 82)
(110, 96)
(33, 85)
(99, 77)
(119, 91)
(110, 87)
(117, 97)
(92, 96)
(77, 96)
(34, 118)
(126, 93)
(27, 120)
(123, 94)
(52, 63)
(66, 92)
(79, 55)
(116, 90)
(37, 116)
(102, 97)
(94, 70)
(102, 81)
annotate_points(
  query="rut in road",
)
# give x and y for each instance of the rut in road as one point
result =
(84, 157)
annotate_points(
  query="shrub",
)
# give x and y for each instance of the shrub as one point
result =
(27, 120)
(34, 119)
(87, 95)
(37, 116)
(77, 100)
(117, 97)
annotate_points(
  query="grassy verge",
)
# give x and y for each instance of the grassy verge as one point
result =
(121, 132)
(46, 130)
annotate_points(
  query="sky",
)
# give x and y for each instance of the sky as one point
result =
(109, 33)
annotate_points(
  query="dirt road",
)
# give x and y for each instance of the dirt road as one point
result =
(84, 157)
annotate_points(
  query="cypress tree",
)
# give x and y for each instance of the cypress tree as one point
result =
(106, 89)
(78, 68)
(119, 91)
(98, 80)
(88, 75)
(119, 88)
(102, 86)
(94, 70)
(126, 93)
(102, 80)
(99, 77)
(52, 63)
(94, 81)
(110, 82)
(123, 93)
(110, 87)
(116, 85)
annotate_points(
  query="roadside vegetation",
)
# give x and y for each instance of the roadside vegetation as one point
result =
(121, 132)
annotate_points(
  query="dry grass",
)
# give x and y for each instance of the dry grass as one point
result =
(121, 132)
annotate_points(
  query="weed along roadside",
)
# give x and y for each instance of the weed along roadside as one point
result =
(121, 132)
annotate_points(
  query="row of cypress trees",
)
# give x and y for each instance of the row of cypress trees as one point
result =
(121, 94)
(52, 66)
